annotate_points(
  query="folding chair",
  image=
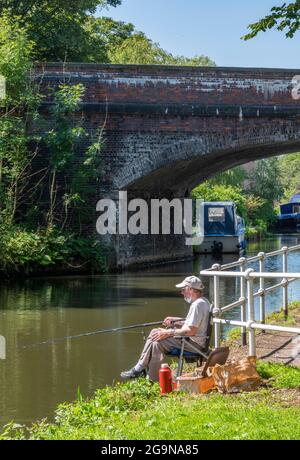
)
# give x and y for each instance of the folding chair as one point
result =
(198, 355)
(212, 357)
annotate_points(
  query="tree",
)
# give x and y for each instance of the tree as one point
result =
(71, 174)
(265, 180)
(212, 192)
(282, 17)
(17, 109)
(22, 7)
(57, 27)
(232, 177)
(265, 189)
(256, 203)
(24, 242)
(105, 35)
(290, 171)
(68, 31)
(139, 49)
(198, 60)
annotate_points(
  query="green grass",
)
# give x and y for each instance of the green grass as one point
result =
(278, 317)
(210, 417)
(281, 376)
(135, 410)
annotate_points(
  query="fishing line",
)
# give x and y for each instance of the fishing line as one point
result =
(87, 334)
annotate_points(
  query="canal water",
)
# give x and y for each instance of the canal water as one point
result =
(35, 380)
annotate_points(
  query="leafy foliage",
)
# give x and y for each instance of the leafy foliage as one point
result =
(23, 252)
(105, 35)
(16, 51)
(265, 187)
(69, 31)
(29, 7)
(285, 17)
(71, 176)
(57, 27)
(265, 180)
(232, 177)
(212, 192)
(17, 110)
(138, 49)
(290, 174)
(108, 402)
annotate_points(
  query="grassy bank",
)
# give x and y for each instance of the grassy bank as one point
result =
(135, 410)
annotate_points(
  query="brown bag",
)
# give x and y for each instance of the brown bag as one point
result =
(236, 376)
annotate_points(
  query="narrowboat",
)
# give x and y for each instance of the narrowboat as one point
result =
(289, 218)
(224, 230)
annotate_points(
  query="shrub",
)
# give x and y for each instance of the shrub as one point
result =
(23, 251)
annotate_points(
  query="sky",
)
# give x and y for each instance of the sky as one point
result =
(212, 28)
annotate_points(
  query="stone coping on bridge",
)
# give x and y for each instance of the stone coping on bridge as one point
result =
(157, 84)
(195, 69)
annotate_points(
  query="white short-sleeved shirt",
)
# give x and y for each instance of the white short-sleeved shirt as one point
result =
(198, 316)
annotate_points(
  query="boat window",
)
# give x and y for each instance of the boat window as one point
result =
(296, 208)
(216, 214)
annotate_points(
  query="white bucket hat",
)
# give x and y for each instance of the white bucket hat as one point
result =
(192, 282)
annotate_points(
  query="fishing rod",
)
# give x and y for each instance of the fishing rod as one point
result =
(85, 334)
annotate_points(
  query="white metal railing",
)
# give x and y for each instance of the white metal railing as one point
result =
(247, 294)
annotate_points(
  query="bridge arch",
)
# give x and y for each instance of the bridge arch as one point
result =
(189, 160)
(167, 128)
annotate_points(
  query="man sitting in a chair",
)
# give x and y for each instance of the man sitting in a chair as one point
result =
(161, 341)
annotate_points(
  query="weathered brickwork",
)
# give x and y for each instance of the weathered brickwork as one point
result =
(167, 129)
(167, 84)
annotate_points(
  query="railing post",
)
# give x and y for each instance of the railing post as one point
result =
(285, 283)
(243, 261)
(262, 299)
(217, 310)
(251, 318)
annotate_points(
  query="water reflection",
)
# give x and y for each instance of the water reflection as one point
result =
(34, 380)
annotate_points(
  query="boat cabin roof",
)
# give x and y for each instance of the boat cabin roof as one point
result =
(219, 203)
(295, 198)
(290, 205)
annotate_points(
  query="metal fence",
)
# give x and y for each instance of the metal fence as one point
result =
(246, 301)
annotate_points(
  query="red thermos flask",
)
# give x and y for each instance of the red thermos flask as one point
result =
(165, 379)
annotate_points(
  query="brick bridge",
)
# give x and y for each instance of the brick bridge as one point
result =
(169, 128)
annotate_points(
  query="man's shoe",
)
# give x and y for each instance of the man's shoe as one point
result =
(133, 374)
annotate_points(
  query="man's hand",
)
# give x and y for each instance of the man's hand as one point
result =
(170, 320)
(159, 334)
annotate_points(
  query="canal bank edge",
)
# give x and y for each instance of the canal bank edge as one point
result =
(135, 410)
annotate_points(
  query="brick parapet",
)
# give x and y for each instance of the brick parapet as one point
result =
(171, 84)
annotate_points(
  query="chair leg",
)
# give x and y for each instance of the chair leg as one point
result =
(180, 362)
